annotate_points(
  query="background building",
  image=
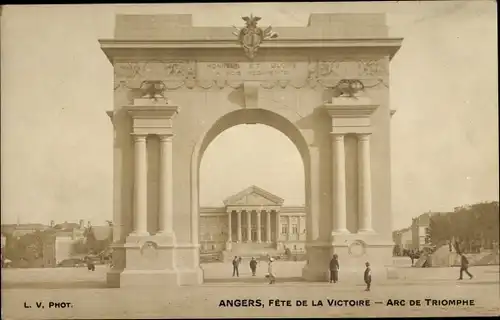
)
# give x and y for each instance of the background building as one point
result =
(40, 246)
(420, 230)
(403, 239)
(258, 222)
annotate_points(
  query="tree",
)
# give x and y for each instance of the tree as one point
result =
(439, 230)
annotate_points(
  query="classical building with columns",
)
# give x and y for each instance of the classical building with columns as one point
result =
(177, 87)
(253, 216)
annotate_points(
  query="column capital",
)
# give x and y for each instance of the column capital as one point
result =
(139, 137)
(337, 136)
(364, 136)
(166, 137)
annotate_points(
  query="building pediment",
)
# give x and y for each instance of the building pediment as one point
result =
(253, 196)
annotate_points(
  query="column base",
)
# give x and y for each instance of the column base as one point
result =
(164, 237)
(229, 245)
(340, 231)
(139, 234)
(369, 231)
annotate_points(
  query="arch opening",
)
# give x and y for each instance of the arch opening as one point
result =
(241, 117)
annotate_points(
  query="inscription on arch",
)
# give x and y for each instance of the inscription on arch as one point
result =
(207, 74)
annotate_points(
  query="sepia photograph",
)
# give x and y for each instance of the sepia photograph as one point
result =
(249, 160)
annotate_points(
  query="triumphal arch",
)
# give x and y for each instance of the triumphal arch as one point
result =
(324, 85)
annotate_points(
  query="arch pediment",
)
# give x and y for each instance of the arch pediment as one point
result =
(253, 196)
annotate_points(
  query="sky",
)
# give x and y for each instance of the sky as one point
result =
(57, 84)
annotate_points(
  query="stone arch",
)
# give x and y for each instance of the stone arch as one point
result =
(303, 65)
(234, 118)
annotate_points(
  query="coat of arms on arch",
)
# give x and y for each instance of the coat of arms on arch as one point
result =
(251, 36)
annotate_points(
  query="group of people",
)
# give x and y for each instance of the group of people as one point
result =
(253, 267)
(334, 272)
(334, 269)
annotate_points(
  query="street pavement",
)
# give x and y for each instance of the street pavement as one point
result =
(87, 296)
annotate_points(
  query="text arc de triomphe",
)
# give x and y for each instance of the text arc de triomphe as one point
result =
(325, 86)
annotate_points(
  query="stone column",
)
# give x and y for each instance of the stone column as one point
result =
(238, 224)
(268, 226)
(364, 184)
(277, 227)
(339, 184)
(140, 227)
(249, 226)
(259, 239)
(166, 208)
(289, 222)
(230, 229)
(299, 229)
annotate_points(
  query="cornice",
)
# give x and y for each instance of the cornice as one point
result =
(115, 48)
(152, 111)
(350, 111)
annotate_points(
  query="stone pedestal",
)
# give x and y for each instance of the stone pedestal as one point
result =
(144, 260)
(317, 267)
(187, 258)
(353, 251)
(148, 263)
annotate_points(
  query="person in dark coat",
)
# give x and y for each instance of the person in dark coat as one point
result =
(368, 276)
(334, 269)
(464, 267)
(90, 264)
(236, 265)
(253, 266)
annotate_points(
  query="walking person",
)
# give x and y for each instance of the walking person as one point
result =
(90, 264)
(464, 266)
(253, 266)
(270, 273)
(334, 269)
(368, 276)
(236, 265)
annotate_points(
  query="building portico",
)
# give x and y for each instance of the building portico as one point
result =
(255, 229)
(253, 210)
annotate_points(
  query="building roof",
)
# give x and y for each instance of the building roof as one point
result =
(67, 226)
(10, 228)
(253, 196)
